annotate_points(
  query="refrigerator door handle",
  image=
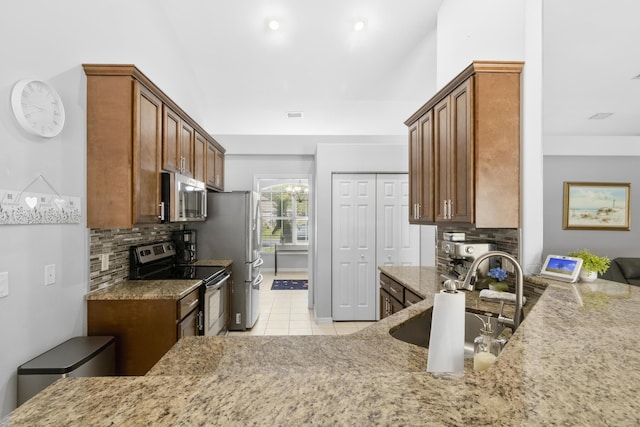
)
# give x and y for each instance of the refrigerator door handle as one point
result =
(257, 282)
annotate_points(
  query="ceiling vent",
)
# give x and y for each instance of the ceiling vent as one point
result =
(600, 116)
(294, 114)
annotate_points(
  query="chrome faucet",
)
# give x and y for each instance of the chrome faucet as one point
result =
(470, 280)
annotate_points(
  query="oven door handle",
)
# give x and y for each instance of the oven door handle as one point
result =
(218, 284)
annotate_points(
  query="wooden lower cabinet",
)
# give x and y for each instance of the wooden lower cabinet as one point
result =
(144, 330)
(394, 296)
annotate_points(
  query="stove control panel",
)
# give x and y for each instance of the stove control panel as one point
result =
(154, 252)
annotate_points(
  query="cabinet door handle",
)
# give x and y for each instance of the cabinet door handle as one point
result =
(445, 209)
(161, 216)
(450, 209)
(393, 290)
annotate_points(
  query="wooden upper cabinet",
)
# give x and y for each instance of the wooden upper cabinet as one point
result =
(124, 130)
(134, 131)
(146, 156)
(219, 175)
(476, 148)
(177, 144)
(442, 155)
(461, 188)
(421, 170)
(187, 135)
(200, 157)
(171, 145)
(215, 168)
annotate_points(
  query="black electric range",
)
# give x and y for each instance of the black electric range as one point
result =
(157, 261)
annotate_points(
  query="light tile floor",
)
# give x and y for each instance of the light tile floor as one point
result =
(287, 313)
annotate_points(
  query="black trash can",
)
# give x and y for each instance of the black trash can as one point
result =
(92, 356)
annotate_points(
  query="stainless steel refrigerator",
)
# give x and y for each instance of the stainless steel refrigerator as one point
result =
(232, 231)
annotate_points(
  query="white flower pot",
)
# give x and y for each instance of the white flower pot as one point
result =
(588, 276)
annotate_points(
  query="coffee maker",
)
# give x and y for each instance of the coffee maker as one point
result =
(461, 254)
(185, 243)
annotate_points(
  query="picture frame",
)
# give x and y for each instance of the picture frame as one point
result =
(596, 206)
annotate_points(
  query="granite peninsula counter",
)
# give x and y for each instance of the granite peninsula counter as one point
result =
(573, 361)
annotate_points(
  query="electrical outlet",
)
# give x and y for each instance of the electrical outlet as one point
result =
(49, 274)
(508, 267)
(4, 284)
(105, 262)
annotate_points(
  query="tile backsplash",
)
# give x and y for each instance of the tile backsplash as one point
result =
(506, 239)
(115, 244)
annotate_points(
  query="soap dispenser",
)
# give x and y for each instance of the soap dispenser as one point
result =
(485, 346)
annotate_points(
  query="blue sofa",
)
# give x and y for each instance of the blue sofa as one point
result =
(624, 270)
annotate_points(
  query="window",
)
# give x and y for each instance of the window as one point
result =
(285, 215)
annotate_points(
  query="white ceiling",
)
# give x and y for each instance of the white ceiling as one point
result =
(369, 82)
(591, 54)
(345, 82)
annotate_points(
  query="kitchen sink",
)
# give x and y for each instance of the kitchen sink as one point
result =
(418, 329)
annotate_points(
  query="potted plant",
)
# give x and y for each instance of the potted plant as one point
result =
(498, 275)
(592, 264)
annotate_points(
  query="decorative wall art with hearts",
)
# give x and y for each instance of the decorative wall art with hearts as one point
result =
(22, 207)
(28, 207)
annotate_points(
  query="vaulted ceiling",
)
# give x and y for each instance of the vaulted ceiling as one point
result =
(345, 82)
(348, 82)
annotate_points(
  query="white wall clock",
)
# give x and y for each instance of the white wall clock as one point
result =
(37, 107)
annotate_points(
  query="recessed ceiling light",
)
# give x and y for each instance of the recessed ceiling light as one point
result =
(600, 116)
(274, 24)
(295, 114)
(360, 24)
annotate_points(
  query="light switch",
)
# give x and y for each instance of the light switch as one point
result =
(4, 284)
(49, 274)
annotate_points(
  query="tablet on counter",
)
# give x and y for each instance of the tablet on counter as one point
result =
(560, 267)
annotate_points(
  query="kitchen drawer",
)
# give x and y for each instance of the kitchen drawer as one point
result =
(188, 326)
(388, 304)
(394, 288)
(410, 298)
(188, 303)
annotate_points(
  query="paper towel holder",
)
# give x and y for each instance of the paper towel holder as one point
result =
(451, 286)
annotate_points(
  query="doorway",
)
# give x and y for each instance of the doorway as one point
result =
(285, 232)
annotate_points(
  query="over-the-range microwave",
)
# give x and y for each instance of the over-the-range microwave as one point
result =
(184, 199)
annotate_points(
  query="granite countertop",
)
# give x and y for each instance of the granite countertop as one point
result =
(573, 361)
(154, 289)
(215, 262)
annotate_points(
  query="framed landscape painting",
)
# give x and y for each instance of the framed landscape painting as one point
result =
(596, 206)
